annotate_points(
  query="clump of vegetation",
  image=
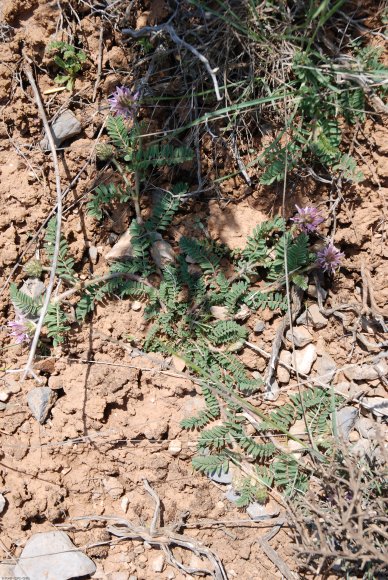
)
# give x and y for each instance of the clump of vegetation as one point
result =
(341, 527)
(69, 59)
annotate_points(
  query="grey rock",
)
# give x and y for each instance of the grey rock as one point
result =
(302, 336)
(312, 317)
(52, 556)
(64, 127)
(346, 419)
(3, 503)
(223, 477)
(258, 512)
(232, 496)
(243, 313)
(3, 406)
(366, 427)
(40, 401)
(259, 327)
(93, 254)
(325, 367)
(366, 372)
(304, 358)
(378, 405)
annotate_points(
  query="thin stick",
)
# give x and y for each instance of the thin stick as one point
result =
(167, 27)
(99, 63)
(28, 71)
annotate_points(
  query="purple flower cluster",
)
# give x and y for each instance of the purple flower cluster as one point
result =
(307, 218)
(329, 259)
(122, 102)
(21, 329)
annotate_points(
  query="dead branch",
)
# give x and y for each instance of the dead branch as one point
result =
(167, 27)
(28, 368)
(163, 537)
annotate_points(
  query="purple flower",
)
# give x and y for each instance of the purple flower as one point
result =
(308, 218)
(21, 329)
(329, 258)
(122, 102)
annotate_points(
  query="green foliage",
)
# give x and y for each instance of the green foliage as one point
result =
(70, 59)
(27, 305)
(165, 208)
(226, 332)
(57, 324)
(200, 253)
(102, 196)
(65, 265)
(211, 464)
(250, 491)
(119, 135)
(288, 477)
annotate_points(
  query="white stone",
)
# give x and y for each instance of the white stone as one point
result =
(93, 254)
(122, 248)
(136, 306)
(179, 363)
(157, 564)
(52, 556)
(174, 447)
(3, 503)
(325, 368)
(219, 312)
(301, 335)
(124, 504)
(113, 487)
(304, 359)
(4, 396)
(282, 372)
(366, 427)
(366, 372)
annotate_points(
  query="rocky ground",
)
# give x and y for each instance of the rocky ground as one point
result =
(114, 418)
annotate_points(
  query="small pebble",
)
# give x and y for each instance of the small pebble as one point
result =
(136, 306)
(301, 335)
(304, 358)
(3, 406)
(179, 363)
(93, 254)
(353, 437)
(158, 563)
(174, 448)
(4, 396)
(259, 327)
(124, 504)
(219, 312)
(3, 503)
(113, 487)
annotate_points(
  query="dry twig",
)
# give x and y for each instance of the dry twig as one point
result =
(164, 538)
